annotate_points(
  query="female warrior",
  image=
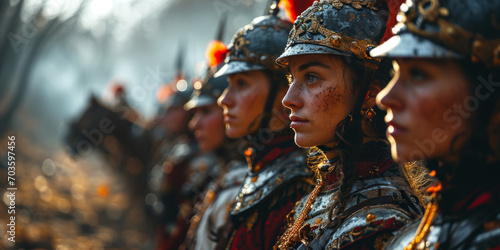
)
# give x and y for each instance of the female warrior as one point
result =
(208, 126)
(443, 107)
(252, 107)
(362, 194)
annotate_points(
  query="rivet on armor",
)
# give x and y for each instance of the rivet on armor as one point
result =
(257, 168)
(357, 231)
(335, 40)
(318, 220)
(370, 218)
(254, 179)
(450, 30)
(444, 12)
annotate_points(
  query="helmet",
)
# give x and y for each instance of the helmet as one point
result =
(208, 92)
(467, 29)
(349, 28)
(210, 88)
(181, 94)
(256, 46)
(338, 27)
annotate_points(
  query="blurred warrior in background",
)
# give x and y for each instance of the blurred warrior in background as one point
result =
(208, 126)
(181, 174)
(444, 108)
(277, 175)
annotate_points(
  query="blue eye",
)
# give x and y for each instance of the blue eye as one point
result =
(311, 79)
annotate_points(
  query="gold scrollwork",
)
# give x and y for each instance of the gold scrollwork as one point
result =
(451, 35)
(310, 25)
(240, 46)
(357, 4)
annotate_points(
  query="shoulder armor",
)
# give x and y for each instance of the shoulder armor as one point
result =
(487, 238)
(390, 184)
(490, 237)
(235, 175)
(181, 152)
(365, 222)
(201, 170)
(383, 202)
(259, 186)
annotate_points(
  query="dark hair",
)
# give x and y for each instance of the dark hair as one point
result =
(350, 134)
(478, 148)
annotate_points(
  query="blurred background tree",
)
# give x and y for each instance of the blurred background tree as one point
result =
(55, 55)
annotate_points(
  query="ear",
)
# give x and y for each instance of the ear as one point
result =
(374, 89)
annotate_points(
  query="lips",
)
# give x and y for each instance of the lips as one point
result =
(297, 122)
(395, 129)
(229, 118)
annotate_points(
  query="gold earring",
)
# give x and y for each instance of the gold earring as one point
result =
(369, 114)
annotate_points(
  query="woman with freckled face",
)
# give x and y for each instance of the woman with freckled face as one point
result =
(361, 195)
(443, 107)
(277, 172)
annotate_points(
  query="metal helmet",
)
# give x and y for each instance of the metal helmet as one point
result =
(181, 95)
(338, 27)
(256, 46)
(207, 91)
(467, 29)
(348, 28)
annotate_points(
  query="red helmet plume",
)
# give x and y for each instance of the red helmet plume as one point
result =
(393, 7)
(216, 53)
(294, 8)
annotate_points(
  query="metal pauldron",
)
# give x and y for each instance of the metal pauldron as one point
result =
(450, 35)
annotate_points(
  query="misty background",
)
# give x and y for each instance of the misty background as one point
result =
(55, 54)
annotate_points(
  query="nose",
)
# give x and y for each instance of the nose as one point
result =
(292, 99)
(390, 96)
(195, 123)
(225, 100)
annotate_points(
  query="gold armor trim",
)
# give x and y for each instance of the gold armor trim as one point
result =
(240, 46)
(309, 24)
(425, 225)
(357, 4)
(451, 35)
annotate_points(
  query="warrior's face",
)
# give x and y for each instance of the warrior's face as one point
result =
(428, 105)
(208, 126)
(319, 97)
(243, 102)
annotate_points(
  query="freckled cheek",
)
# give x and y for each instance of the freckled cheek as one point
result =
(327, 103)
